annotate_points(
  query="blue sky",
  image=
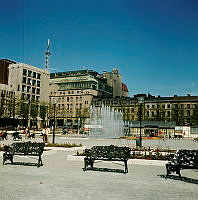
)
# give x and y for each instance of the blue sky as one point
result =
(153, 43)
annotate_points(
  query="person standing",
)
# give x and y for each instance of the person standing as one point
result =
(44, 134)
(47, 133)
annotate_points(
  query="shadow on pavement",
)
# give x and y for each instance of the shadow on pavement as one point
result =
(184, 179)
(105, 170)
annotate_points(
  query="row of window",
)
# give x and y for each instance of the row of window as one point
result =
(147, 106)
(32, 74)
(69, 106)
(70, 99)
(115, 102)
(32, 82)
(29, 89)
(69, 92)
(30, 97)
(4, 93)
(153, 106)
(168, 113)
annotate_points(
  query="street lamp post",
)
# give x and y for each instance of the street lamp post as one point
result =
(140, 101)
(53, 138)
(29, 113)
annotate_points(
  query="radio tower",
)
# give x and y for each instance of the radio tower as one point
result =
(47, 54)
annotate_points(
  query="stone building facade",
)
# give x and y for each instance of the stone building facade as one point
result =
(27, 84)
(73, 92)
(165, 116)
(181, 109)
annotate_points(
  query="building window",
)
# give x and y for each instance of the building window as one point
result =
(38, 76)
(147, 113)
(18, 89)
(132, 110)
(37, 98)
(188, 106)
(34, 74)
(168, 113)
(23, 96)
(29, 73)
(33, 97)
(25, 72)
(38, 83)
(29, 81)
(23, 88)
(168, 105)
(38, 91)
(33, 90)
(33, 82)
(152, 114)
(148, 106)
(67, 99)
(28, 88)
(153, 106)
(76, 98)
(24, 80)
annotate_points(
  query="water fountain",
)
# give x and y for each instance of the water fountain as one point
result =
(105, 122)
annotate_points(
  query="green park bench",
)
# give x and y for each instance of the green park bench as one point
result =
(23, 149)
(182, 159)
(106, 153)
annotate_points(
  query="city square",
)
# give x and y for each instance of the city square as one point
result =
(99, 100)
(60, 178)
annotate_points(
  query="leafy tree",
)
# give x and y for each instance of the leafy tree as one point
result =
(24, 110)
(43, 111)
(33, 110)
(194, 117)
(2, 103)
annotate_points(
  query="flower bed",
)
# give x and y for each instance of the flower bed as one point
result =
(147, 153)
(65, 145)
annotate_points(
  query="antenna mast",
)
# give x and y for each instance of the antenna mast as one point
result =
(47, 54)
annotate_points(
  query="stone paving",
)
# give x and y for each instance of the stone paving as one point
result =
(63, 179)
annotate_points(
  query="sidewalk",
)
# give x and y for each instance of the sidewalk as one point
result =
(61, 179)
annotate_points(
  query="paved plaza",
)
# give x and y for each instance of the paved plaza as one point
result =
(60, 178)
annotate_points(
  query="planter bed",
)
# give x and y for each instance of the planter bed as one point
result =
(130, 161)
